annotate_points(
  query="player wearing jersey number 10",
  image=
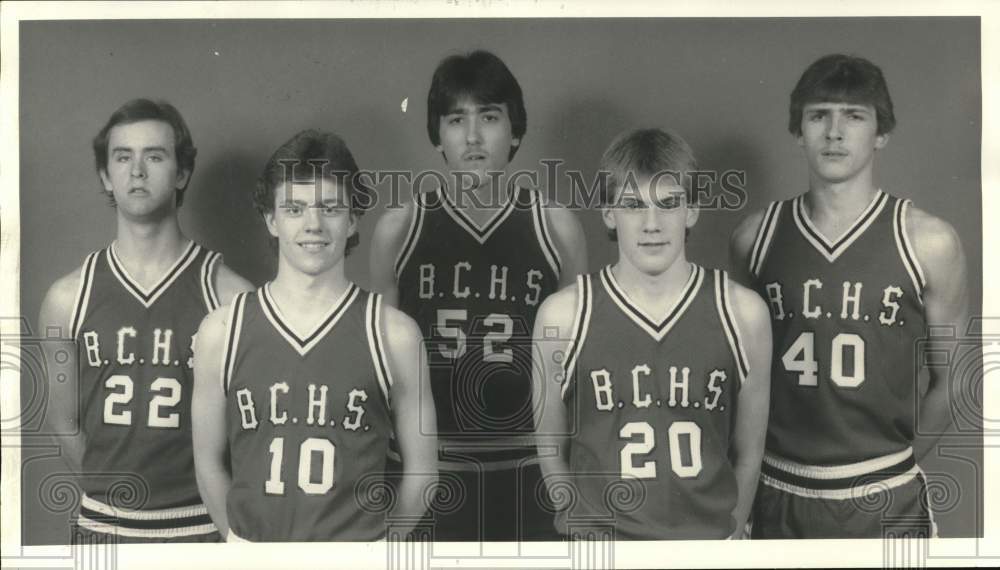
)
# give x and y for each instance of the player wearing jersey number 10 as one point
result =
(853, 277)
(301, 384)
(653, 372)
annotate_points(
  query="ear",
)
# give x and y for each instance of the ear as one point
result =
(800, 139)
(608, 215)
(881, 141)
(272, 228)
(353, 227)
(693, 211)
(105, 180)
(516, 141)
(182, 178)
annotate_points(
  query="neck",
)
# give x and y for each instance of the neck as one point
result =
(301, 289)
(486, 196)
(839, 199)
(149, 243)
(640, 285)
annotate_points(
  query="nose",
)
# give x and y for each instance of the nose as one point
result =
(472, 132)
(312, 220)
(138, 169)
(651, 220)
(834, 128)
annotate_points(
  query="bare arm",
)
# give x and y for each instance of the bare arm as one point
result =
(228, 284)
(390, 233)
(570, 243)
(946, 304)
(208, 418)
(747, 448)
(63, 405)
(740, 244)
(551, 429)
(414, 416)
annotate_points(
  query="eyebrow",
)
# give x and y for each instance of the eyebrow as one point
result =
(486, 108)
(143, 149)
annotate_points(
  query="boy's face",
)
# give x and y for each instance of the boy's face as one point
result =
(142, 172)
(476, 137)
(650, 219)
(312, 227)
(839, 140)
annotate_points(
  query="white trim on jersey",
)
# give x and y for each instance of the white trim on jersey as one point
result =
(729, 323)
(412, 234)
(863, 490)
(578, 334)
(376, 344)
(480, 234)
(147, 516)
(304, 343)
(543, 233)
(83, 294)
(144, 296)
(208, 280)
(232, 340)
(838, 471)
(655, 328)
(832, 250)
(765, 233)
(906, 252)
(143, 515)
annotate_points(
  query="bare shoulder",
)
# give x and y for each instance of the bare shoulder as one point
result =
(228, 284)
(934, 239)
(745, 232)
(558, 310)
(400, 331)
(57, 306)
(213, 327)
(750, 309)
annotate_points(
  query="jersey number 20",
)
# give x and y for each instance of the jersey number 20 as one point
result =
(646, 443)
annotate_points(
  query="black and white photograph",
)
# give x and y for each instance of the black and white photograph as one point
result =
(498, 284)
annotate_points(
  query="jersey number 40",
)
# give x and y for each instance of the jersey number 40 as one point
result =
(800, 357)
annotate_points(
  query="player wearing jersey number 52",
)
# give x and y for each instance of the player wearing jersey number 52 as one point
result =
(131, 311)
(853, 277)
(301, 384)
(653, 371)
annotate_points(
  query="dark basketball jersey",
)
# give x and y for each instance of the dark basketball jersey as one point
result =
(474, 292)
(651, 403)
(135, 357)
(308, 421)
(845, 316)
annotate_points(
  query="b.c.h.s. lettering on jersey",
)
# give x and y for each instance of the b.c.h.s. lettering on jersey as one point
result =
(455, 282)
(678, 379)
(815, 299)
(308, 405)
(129, 350)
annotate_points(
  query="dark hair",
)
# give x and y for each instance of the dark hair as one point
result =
(644, 153)
(844, 79)
(482, 77)
(308, 156)
(148, 110)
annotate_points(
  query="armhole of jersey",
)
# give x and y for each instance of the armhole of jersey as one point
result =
(729, 325)
(376, 345)
(906, 253)
(83, 294)
(578, 334)
(544, 235)
(762, 243)
(208, 280)
(412, 235)
(232, 340)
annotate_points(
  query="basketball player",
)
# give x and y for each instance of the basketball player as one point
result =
(654, 370)
(305, 380)
(132, 310)
(471, 261)
(853, 277)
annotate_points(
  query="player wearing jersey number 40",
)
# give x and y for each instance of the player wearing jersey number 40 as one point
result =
(132, 311)
(853, 277)
(653, 372)
(301, 384)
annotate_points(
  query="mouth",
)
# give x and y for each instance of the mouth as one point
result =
(313, 246)
(834, 154)
(474, 156)
(138, 190)
(652, 244)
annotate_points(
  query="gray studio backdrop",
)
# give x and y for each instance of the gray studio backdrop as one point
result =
(246, 86)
